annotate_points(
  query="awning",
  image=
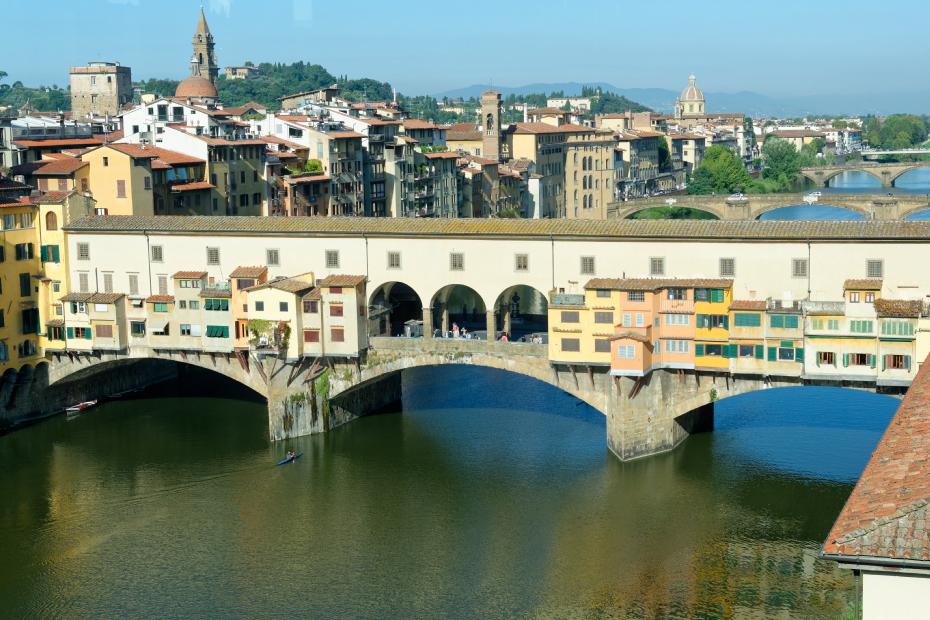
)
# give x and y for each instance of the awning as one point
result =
(157, 325)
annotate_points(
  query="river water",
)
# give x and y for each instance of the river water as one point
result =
(855, 182)
(491, 495)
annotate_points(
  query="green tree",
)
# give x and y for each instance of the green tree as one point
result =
(665, 156)
(720, 172)
(782, 163)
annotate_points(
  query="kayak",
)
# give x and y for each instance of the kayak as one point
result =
(290, 459)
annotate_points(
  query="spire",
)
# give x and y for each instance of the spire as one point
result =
(202, 27)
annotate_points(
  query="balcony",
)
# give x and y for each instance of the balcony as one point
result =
(566, 299)
(677, 306)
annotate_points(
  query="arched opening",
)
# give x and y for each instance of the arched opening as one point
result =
(672, 213)
(457, 306)
(522, 312)
(916, 180)
(855, 179)
(814, 212)
(395, 309)
(51, 221)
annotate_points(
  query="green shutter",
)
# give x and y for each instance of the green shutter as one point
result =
(787, 344)
(773, 354)
(760, 351)
(845, 360)
(87, 334)
(716, 295)
(208, 304)
(699, 350)
(791, 321)
(799, 354)
(69, 332)
(43, 253)
(871, 360)
(727, 351)
(884, 362)
(726, 321)
(907, 362)
(224, 304)
(776, 320)
(56, 255)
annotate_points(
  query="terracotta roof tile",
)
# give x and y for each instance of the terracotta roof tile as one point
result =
(899, 308)
(886, 515)
(249, 272)
(59, 142)
(222, 293)
(105, 298)
(191, 187)
(290, 285)
(190, 275)
(655, 284)
(341, 280)
(748, 304)
(160, 299)
(854, 284)
(631, 335)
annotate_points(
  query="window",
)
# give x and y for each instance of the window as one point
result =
(676, 319)
(860, 359)
(657, 266)
(678, 294)
(83, 285)
(896, 362)
(335, 290)
(640, 321)
(332, 259)
(601, 345)
(337, 334)
(522, 262)
(272, 257)
(147, 182)
(833, 324)
(709, 350)
(712, 321)
(101, 308)
(162, 285)
(636, 296)
(393, 260)
(24, 251)
(747, 319)
(311, 335)
(160, 307)
(83, 251)
(786, 354)
(282, 306)
(626, 352)
(259, 306)
(569, 316)
(897, 328)
(216, 331)
(874, 268)
(157, 254)
(826, 358)
(310, 306)
(571, 345)
(108, 282)
(604, 317)
(746, 350)
(82, 333)
(587, 265)
(860, 327)
(185, 329)
(106, 162)
(677, 346)
(25, 285)
(137, 328)
(727, 267)
(120, 188)
(51, 221)
(182, 304)
(783, 321)
(627, 319)
(335, 310)
(854, 297)
(213, 256)
(870, 297)
(456, 261)
(799, 268)
(193, 304)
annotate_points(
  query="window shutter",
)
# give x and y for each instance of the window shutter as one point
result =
(699, 350)
(87, 334)
(799, 354)
(69, 332)
(845, 360)
(871, 360)
(773, 354)
(726, 321)
(884, 362)
(760, 351)
(43, 252)
(56, 256)
(818, 360)
(907, 362)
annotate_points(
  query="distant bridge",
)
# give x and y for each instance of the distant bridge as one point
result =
(750, 207)
(920, 150)
(886, 173)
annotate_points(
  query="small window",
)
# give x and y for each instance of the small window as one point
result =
(393, 260)
(310, 306)
(603, 293)
(587, 265)
(799, 268)
(826, 358)
(83, 251)
(133, 284)
(108, 282)
(601, 345)
(854, 297)
(162, 285)
(522, 262)
(106, 161)
(83, 282)
(657, 266)
(626, 352)
(456, 261)
(213, 256)
(311, 335)
(870, 297)
(678, 294)
(727, 267)
(157, 254)
(874, 268)
(636, 296)
(569, 316)
(104, 331)
(332, 259)
(337, 334)
(335, 310)
(571, 345)
(259, 306)
(604, 317)
(272, 257)
(282, 306)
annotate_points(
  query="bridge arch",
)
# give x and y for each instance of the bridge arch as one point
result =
(822, 178)
(834, 209)
(628, 211)
(462, 305)
(522, 311)
(894, 178)
(391, 305)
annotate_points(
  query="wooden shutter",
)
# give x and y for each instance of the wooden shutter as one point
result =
(69, 332)
(87, 334)
(699, 350)
(845, 360)
(773, 354)
(799, 354)
(760, 351)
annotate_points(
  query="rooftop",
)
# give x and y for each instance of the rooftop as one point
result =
(867, 284)
(885, 517)
(748, 304)
(685, 230)
(899, 308)
(341, 280)
(654, 284)
(249, 272)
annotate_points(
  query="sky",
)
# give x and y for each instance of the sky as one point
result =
(773, 47)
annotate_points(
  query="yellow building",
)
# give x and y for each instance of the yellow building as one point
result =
(19, 277)
(582, 324)
(120, 179)
(712, 323)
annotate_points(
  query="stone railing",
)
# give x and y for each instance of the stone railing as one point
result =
(457, 345)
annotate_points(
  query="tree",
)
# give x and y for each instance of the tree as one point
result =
(665, 156)
(782, 162)
(720, 172)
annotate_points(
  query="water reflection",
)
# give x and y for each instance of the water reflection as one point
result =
(490, 496)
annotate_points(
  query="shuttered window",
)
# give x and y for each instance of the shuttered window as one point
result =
(571, 345)
(604, 317)
(747, 319)
(569, 316)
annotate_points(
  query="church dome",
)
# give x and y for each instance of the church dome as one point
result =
(691, 92)
(196, 87)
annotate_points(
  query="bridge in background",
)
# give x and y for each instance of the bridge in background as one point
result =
(886, 173)
(880, 152)
(750, 207)
(645, 415)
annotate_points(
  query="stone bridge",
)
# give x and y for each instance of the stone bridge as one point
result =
(644, 416)
(750, 207)
(886, 173)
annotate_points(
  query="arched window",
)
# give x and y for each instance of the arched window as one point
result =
(489, 124)
(51, 221)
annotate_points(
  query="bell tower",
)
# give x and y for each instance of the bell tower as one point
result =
(203, 63)
(491, 125)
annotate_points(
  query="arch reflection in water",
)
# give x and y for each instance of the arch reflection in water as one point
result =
(812, 212)
(491, 495)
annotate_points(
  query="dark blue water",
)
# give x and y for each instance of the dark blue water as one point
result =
(489, 496)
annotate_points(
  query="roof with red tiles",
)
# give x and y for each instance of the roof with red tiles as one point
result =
(341, 280)
(886, 516)
(631, 335)
(136, 151)
(654, 284)
(192, 187)
(748, 304)
(535, 128)
(249, 272)
(188, 275)
(56, 142)
(443, 155)
(899, 308)
(160, 299)
(416, 123)
(867, 284)
(463, 132)
(61, 166)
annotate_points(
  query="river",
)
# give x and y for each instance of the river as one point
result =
(855, 182)
(491, 495)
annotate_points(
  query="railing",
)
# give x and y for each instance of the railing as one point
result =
(457, 345)
(676, 305)
(566, 299)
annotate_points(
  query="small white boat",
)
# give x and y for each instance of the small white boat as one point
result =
(78, 408)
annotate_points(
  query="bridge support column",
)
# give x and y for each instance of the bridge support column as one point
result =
(507, 319)
(445, 319)
(491, 322)
(664, 409)
(427, 322)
